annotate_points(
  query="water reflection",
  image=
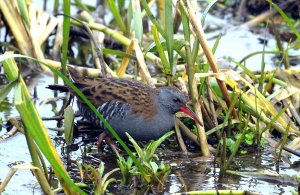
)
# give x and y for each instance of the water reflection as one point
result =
(200, 174)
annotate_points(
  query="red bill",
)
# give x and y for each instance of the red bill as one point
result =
(189, 112)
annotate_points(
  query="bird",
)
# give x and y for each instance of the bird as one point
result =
(144, 112)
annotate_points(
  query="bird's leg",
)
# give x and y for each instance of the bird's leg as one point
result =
(102, 137)
(105, 136)
(113, 146)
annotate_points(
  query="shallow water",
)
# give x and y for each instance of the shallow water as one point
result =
(203, 174)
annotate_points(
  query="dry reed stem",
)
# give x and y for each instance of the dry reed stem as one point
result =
(4, 183)
(92, 72)
(212, 61)
(46, 25)
(258, 19)
(11, 14)
(125, 61)
(58, 42)
(8, 134)
(260, 104)
(36, 171)
(141, 63)
(29, 38)
(196, 104)
(211, 104)
(34, 35)
(122, 39)
(179, 138)
(201, 131)
(187, 132)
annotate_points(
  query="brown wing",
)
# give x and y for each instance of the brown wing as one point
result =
(101, 90)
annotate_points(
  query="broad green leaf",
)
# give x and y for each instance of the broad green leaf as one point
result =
(68, 124)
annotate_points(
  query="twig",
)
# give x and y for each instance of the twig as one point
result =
(179, 138)
(187, 132)
(262, 17)
(242, 9)
(9, 134)
(56, 118)
(291, 151)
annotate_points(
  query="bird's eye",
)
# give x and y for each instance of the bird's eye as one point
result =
(176, 100)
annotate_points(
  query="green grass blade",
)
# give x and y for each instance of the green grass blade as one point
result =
(188, 52)
(262, 72)
(169, 29)
(137, 148)
(121, 6)
(206, 11)
(286, 19)
(82, 6)
(245, 69)
(137, 20)
(178, 45)
(257, 53)
(273, 120)
(152, 18)
(66, 33)
(22, 5)
(118, 18)
(118, 53)
(160, 51)
(55, 7)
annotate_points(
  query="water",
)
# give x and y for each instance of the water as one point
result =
(196, 173)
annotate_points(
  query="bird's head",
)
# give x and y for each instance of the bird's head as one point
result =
(173, 100)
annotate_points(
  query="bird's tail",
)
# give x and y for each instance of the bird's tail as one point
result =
(61, 88)
(75, 73)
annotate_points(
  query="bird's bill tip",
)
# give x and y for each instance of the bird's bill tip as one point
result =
(190, 113)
